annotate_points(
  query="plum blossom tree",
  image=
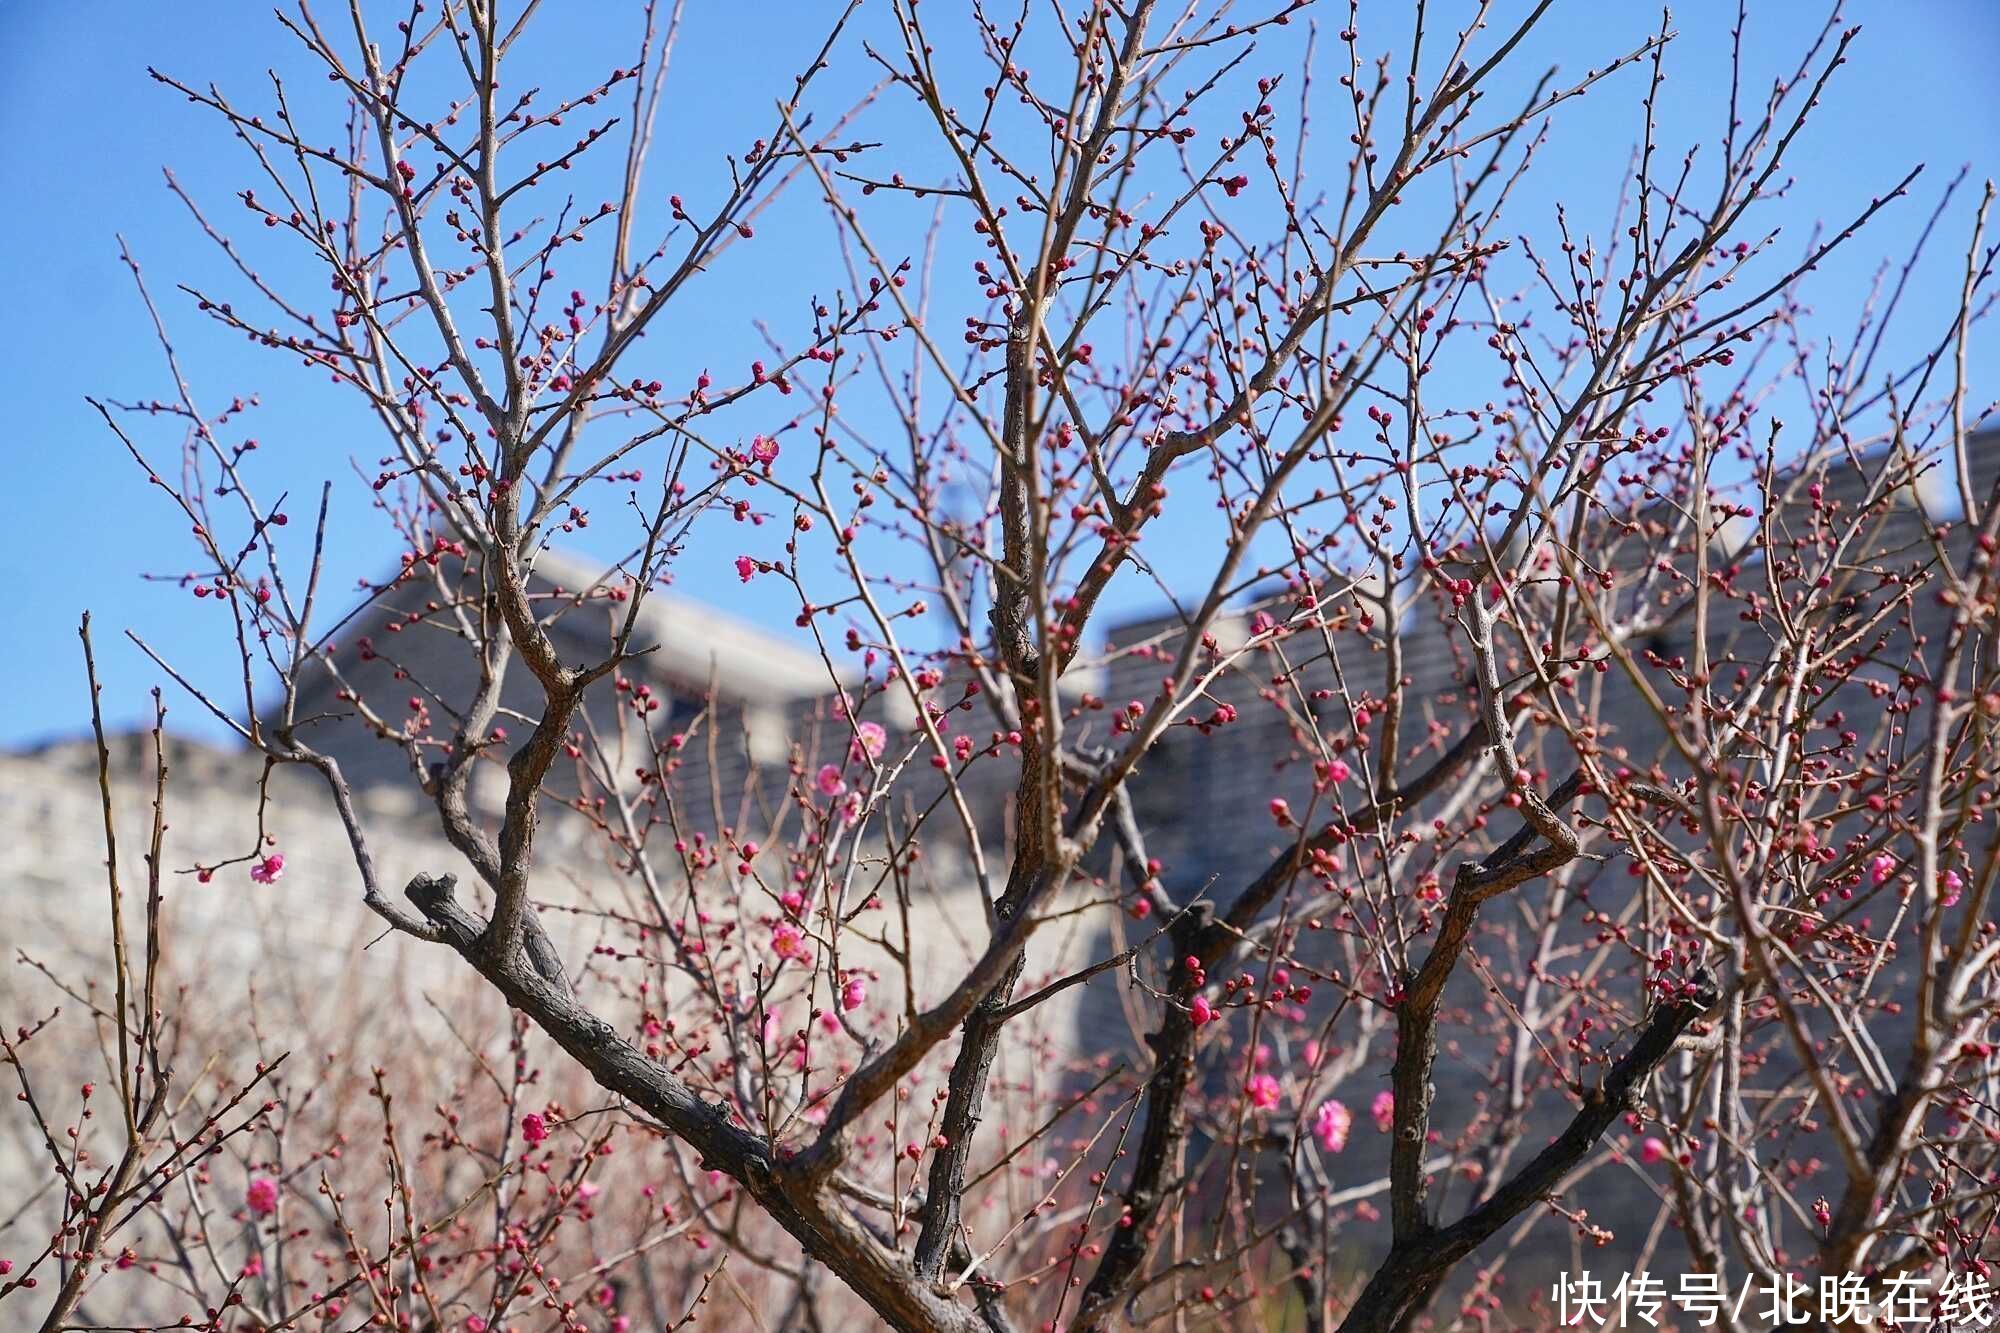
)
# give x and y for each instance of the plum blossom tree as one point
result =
(1734, 934)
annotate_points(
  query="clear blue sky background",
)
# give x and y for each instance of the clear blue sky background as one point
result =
(88, 133)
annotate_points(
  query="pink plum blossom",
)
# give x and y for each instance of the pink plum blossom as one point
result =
(746, 568)
(829, 781)
(262, 1196)
(869, 741)
(1262, 1090)
(854, 994)
(1652, 1150)
(1330, 1125)
(533, 1128)
(1384, 1110)
(269, 870)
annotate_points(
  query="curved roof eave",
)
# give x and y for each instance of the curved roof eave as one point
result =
(692, 642)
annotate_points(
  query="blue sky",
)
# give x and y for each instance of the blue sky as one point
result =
(89, 134)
